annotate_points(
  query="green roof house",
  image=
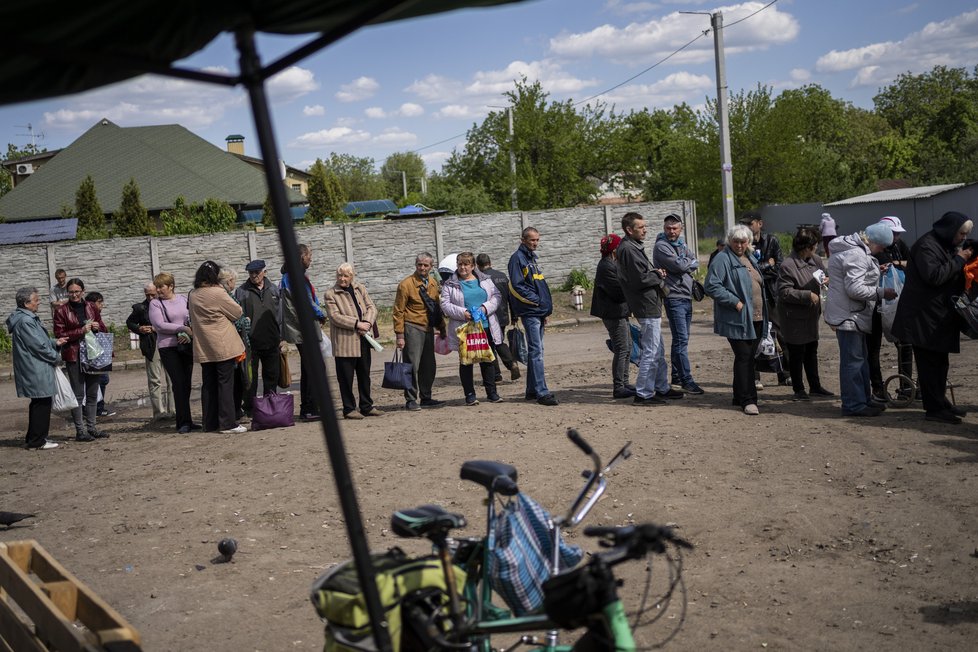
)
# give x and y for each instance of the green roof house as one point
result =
(167, 162)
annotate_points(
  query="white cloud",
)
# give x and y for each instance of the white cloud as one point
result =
(395, 136)
(411, 110)
(314, 110)
(552, 77)
(665, 93)
(642, 43)
(455, 111)
(909, 9)
(327, 137)
(291, 83)
(375, 112)
(952, 42)
(361, 88)
(435, 160)
(347, 121)
(800, 75)
(435, 88)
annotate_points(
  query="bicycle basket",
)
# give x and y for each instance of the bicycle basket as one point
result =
(570, 598)
(339, 600)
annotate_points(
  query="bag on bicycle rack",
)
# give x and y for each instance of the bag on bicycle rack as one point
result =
(339, 601)
(569, 598)
(520, 542)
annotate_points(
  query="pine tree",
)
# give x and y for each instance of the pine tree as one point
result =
(132, 218)
(320, 201)
(267, 212)
(91, 219)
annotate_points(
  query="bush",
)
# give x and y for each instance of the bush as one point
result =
(577, 277)
(212, 216)
(6, 344)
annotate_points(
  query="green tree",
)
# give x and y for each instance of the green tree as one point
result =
(457, 199)
(324, 202)
(14, 153)
(267, 212)
(357, 177)
(132, 218)
(412, 167)
(91, 219)
(213, 216)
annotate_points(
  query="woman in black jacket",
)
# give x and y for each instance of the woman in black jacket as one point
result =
(925, 317)
(608, 303)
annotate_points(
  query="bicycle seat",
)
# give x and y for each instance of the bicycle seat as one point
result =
(494, 476)
(424, 521)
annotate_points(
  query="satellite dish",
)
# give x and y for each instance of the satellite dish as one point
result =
(281, 169)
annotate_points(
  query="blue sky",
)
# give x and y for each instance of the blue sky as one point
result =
(409, 85)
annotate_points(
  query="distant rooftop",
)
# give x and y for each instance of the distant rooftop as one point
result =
(38, 231)
(920, 192)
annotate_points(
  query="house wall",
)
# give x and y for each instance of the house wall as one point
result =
(382, 251)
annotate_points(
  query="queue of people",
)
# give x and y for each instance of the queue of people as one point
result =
(233, 331)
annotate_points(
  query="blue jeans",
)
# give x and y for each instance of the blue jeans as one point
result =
(680, 313)
(536, 384)
(853, 370)
(652, 374)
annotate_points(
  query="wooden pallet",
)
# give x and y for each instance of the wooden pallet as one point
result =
(61, 612)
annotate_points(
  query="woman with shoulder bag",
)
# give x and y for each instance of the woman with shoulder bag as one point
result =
(169, 316)
(608, 303)
(73, 320)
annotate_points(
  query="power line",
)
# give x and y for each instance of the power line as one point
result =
(633, 77)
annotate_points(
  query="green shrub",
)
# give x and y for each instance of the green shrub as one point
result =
(6, 344)
(577, 276)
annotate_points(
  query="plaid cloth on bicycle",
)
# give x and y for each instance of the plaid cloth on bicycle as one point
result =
(520, 542)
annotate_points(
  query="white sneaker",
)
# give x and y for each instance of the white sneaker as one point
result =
(751, 409)
(238, 429)
(758, 384)
(47, 445)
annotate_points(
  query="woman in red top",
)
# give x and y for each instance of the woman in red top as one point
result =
(73, 320)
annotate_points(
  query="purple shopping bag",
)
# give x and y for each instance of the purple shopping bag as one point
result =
(272, 411)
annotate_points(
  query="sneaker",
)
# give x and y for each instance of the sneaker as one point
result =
(877, 397)
(944, 416)
(84, 437)
(758, 384)
(956, 411)
(751, 409)
(353, 415)
(372, 412)
(471, 400)
(430, 402)
(98, 434)
(784, 380)
(196, 426)
(548, 399)
(651, 400)
(183, 430)
(309, 416)
(105, 413)
(412, 406)
(868, 411)
(530, 397)
(514, 372)
(878, 405)
(494, 398)
(237, 430)
(498, 379)
(672, 394)
(820, 391)
(801, 396)
(692, 388)
(623, 392)
(46, 446)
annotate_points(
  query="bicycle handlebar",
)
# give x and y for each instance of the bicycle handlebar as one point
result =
(575, 437)
(635, 541)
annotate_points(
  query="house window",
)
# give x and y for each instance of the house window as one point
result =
(297, 187)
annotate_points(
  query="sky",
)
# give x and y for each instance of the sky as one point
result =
(419, 85)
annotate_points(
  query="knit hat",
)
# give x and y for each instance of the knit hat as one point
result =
(609, 243)
(880, 233)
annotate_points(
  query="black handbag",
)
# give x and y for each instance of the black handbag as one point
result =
(517, 344)
(698, 290)
(397, 373)
(433, 308)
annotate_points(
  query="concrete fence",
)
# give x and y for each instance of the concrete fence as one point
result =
(382, 252)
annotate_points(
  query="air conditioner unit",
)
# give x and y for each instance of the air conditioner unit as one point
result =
(25, 168)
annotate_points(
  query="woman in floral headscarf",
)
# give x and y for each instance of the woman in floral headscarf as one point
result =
(608, 303)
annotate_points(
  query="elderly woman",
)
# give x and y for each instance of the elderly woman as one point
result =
(170, 318)
(608, 303)
(800, 280)
(242, 373)
(925, 317)
(739, 310)
(73, 320)
(351, 316)
(853, 292)
(217, 347)
(35, 356)
(466, 289)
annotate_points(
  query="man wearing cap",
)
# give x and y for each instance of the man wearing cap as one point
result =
(767, 253)
(897, 255)
(642, 284)
(671, 254)
(259, 301)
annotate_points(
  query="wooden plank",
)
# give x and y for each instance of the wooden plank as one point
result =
(15, 634)
(64, 595)
(42, 612)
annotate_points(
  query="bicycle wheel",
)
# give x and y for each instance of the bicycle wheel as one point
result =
(899, 391)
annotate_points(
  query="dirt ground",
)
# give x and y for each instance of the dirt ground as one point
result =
(813, 531)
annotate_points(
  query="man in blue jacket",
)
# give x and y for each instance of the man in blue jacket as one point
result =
(531, 302)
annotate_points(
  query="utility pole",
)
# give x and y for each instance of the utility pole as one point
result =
(403, 181)
(726, 165)
(512, 157)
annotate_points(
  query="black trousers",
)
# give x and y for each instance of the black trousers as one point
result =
(38, 421)
(346, 369)
(804, 356)
(308, 355)
(503, 353)
(180, 369)
(932, 368)
(217, 395)
(271, 365)
(466, 373)
(874, 342)
(744, 392)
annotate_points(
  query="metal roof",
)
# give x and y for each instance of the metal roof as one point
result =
(38, 231)
(920, 192)
(369, 207)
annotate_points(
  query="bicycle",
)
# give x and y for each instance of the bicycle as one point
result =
(449, 618)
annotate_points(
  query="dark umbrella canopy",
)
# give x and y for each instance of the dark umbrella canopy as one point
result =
(54, 47)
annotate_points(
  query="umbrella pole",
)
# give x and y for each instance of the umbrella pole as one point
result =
(252, 77)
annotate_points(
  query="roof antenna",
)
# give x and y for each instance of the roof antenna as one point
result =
(33, 135)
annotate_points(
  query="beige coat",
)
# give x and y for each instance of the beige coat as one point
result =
(212, 316)
(343, 317)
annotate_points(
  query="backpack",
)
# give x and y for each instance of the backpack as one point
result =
(340, 602)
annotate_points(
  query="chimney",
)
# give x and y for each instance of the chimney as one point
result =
(235, 144)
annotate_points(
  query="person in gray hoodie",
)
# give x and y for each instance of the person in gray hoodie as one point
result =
(853, 292)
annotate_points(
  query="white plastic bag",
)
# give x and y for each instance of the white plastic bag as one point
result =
(888, 307)
(766, 348)
(326, 347)
(64, 397)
